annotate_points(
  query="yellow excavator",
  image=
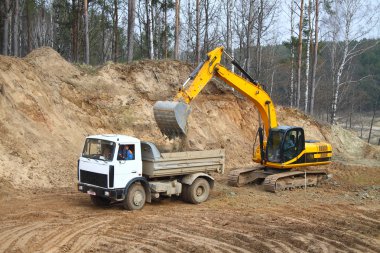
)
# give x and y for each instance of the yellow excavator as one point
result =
(282, 149)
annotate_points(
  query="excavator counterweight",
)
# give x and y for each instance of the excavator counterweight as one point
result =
(171, 117)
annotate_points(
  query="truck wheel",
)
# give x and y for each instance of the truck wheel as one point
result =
(100, 201)
(135, 198)
(198, 192)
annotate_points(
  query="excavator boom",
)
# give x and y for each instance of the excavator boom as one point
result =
(171, 116)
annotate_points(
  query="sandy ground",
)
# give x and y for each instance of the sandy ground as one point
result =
(324, 219)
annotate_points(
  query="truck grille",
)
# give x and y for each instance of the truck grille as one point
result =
(93, 178)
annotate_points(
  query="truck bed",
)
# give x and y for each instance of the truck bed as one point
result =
(157, 164)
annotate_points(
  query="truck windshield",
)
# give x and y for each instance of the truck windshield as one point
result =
(99, 149)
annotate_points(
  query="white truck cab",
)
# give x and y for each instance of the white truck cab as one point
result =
(115, 168)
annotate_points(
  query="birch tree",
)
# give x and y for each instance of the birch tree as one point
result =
(176, 32)
(343, 15)
(307, 70)
(149, 30)
(260, 24)
(228, 8)
(315, 57)
(249, 32)
(115, 48)
(291, 53)
(197, 31)
(300, 54)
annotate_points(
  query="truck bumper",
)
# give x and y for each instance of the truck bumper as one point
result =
(116, 194)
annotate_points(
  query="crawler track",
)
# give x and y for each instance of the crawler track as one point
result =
(292, 180)
(240, 177)
(275, 181)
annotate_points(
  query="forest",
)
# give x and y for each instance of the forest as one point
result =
(320, 56)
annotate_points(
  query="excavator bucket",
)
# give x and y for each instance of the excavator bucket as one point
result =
(171, 117)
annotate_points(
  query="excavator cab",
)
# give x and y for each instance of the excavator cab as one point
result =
(284, 144)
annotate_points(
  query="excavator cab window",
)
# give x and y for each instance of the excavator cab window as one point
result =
(274, 145)
(293, 144)
(285, 144)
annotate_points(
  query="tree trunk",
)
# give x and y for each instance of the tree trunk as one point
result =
(229, 27)
(205, 39)
(150, 29)
(315, 58)
(103, 31)
(373, 118)
(338, 82)
(74, 32)
(115, 32)
(6, 27)
(131, 26)
(249, 33)
(86, 42)
(189, 46)
(197, 36)
(258, 44)
(300, 54)
(308, 58)
(291, 53)
(351, 111)
(29, 27)
(165, 29)
(176, 33)
(272, 83)
(15, 28)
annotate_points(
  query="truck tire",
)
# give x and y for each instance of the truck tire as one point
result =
(135, 198)
(198, 191)
(100, 201)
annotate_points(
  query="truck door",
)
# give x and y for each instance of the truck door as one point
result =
(128, 164)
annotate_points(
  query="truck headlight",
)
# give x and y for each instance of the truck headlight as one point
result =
(107, 193)
(80, 187)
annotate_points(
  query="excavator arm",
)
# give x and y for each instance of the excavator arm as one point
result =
(171, 116)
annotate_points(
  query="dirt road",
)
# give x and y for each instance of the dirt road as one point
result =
(246, 219)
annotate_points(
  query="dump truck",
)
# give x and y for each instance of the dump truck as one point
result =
(119, 168)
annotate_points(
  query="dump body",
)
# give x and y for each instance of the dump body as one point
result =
(157, 164)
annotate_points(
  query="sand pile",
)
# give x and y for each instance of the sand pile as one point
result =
(48, 106)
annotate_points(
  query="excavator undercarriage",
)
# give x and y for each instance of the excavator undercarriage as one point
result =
(276, 180)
